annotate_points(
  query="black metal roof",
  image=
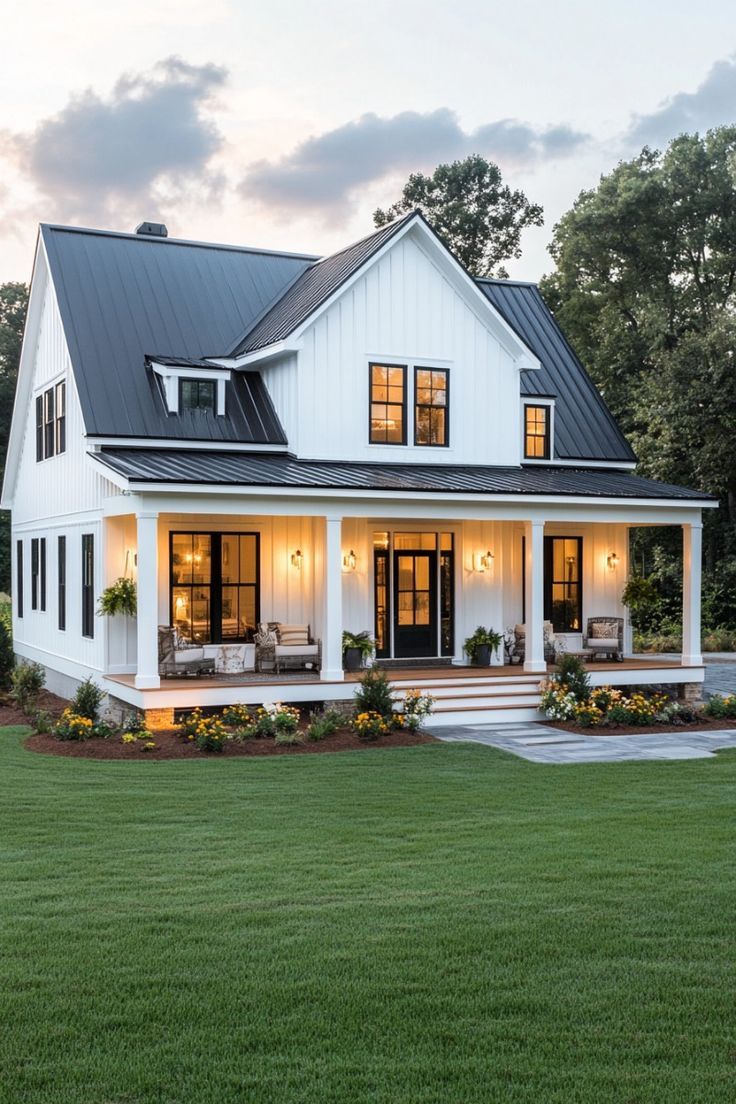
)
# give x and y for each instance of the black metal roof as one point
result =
(585, 429)
(312, 288)
(124, 297)
(281, 470)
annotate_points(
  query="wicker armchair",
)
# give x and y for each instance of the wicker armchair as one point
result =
(272, 649)
(605, 636)
(178, 658)
(519, 642)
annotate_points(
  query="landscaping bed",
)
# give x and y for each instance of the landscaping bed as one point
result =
(704, 724)
(10, 714)
(171, 745)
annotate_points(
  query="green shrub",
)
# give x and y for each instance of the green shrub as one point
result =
(719, 707)
(287, 738)
(719, 640)
(104, 731)
(7, 657)
(86, 701)
(323, 724)
(237, 716)
(374, 694)
(43, 722)
(27, 681)
(71, 726)
(572, 674)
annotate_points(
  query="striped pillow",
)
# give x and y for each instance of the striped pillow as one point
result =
(293, 634)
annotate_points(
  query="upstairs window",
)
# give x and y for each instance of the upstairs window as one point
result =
(431, 404)
(51, 422)
(536, 432)
(388, 404)
(196, 394)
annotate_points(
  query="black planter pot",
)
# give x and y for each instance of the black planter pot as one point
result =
(483, 655)
(353, 659)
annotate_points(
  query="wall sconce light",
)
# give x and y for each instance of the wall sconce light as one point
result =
(612, 561)
(297, 559)
(131, 561)
(350, 561)
(483, 561)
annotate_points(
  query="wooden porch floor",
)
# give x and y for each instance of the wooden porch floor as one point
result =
(396, 674)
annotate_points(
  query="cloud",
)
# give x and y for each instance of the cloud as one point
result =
(712, 104)
(148, 142)
(323, 172)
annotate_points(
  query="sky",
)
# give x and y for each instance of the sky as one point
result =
(284, 124)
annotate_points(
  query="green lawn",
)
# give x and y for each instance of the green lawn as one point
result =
(436, 924)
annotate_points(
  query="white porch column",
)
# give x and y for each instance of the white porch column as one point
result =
(534, 597)
(147, 677)
(692, 543)
(332, 590)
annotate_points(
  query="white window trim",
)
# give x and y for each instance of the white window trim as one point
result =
(170, 376)
(410, 363)
(532, 400)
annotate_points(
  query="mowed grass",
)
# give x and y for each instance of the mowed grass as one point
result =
(435, 924)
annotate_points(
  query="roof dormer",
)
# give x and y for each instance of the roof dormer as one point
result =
(189, 387)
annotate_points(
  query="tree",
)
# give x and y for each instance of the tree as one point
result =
(645, 288)
(13, 306)
(470, 207)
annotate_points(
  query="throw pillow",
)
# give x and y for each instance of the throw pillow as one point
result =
(600, 630)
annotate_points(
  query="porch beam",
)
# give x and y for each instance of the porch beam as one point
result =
(147, 676)
(332, 590)
(534, 581)
(692, 543)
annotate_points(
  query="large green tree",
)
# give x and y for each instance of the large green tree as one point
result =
(645, 288)
(13, 306)
(479, 216)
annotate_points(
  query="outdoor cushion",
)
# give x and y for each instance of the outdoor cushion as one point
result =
(601, 630)
(602, 644)
(188, 655)
(296, 649)
(293, 634)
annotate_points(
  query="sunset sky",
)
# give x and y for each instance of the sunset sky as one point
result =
(285, 124)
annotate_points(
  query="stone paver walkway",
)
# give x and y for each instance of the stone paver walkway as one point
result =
(542, 744)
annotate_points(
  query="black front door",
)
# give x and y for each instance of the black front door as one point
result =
(415, 604)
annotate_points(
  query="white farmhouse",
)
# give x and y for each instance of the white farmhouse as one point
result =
(279, 447)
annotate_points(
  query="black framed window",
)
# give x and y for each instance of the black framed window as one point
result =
(19, 577)
(88, 585)
(39, 427)
(51, 421)
(49, 432)
(61, 581)
(536, 432)
(196, 394)
(60, 422)
(34, 573)
(563, 583)
(431, 406)
(42, 573)
(214, 585)
(387, 404)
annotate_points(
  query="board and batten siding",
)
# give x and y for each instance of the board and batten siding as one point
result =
(404, 310)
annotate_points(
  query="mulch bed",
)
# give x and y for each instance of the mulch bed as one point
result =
(701, 725)
(170, 745)
(47, 702)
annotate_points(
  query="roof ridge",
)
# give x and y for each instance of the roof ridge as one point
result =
(393, 225)
(149, 238)
(506, 283)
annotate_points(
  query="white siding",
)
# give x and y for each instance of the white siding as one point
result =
(60, 495)
(281, 381)
(402, 309)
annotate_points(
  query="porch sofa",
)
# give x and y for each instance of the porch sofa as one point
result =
(280, 646)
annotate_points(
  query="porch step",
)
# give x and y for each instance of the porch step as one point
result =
(392, 664)
(485, 714)
(478, 699)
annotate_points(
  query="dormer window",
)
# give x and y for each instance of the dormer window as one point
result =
(187, 388)
(537, 431)
(197, 394)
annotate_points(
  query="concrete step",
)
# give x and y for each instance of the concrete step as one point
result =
(488, 714)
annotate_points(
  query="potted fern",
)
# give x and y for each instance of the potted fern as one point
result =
(120, 597)
(356, 648)
(481, 645)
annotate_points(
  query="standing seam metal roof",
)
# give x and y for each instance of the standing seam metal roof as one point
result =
(279, 470)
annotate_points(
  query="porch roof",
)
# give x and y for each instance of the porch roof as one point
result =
(141, 466)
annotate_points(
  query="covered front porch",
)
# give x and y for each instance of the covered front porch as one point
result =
(419, 578)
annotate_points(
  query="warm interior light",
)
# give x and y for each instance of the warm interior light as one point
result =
(483, 561)
(612, 561)
(297, 559)
(350, 561)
